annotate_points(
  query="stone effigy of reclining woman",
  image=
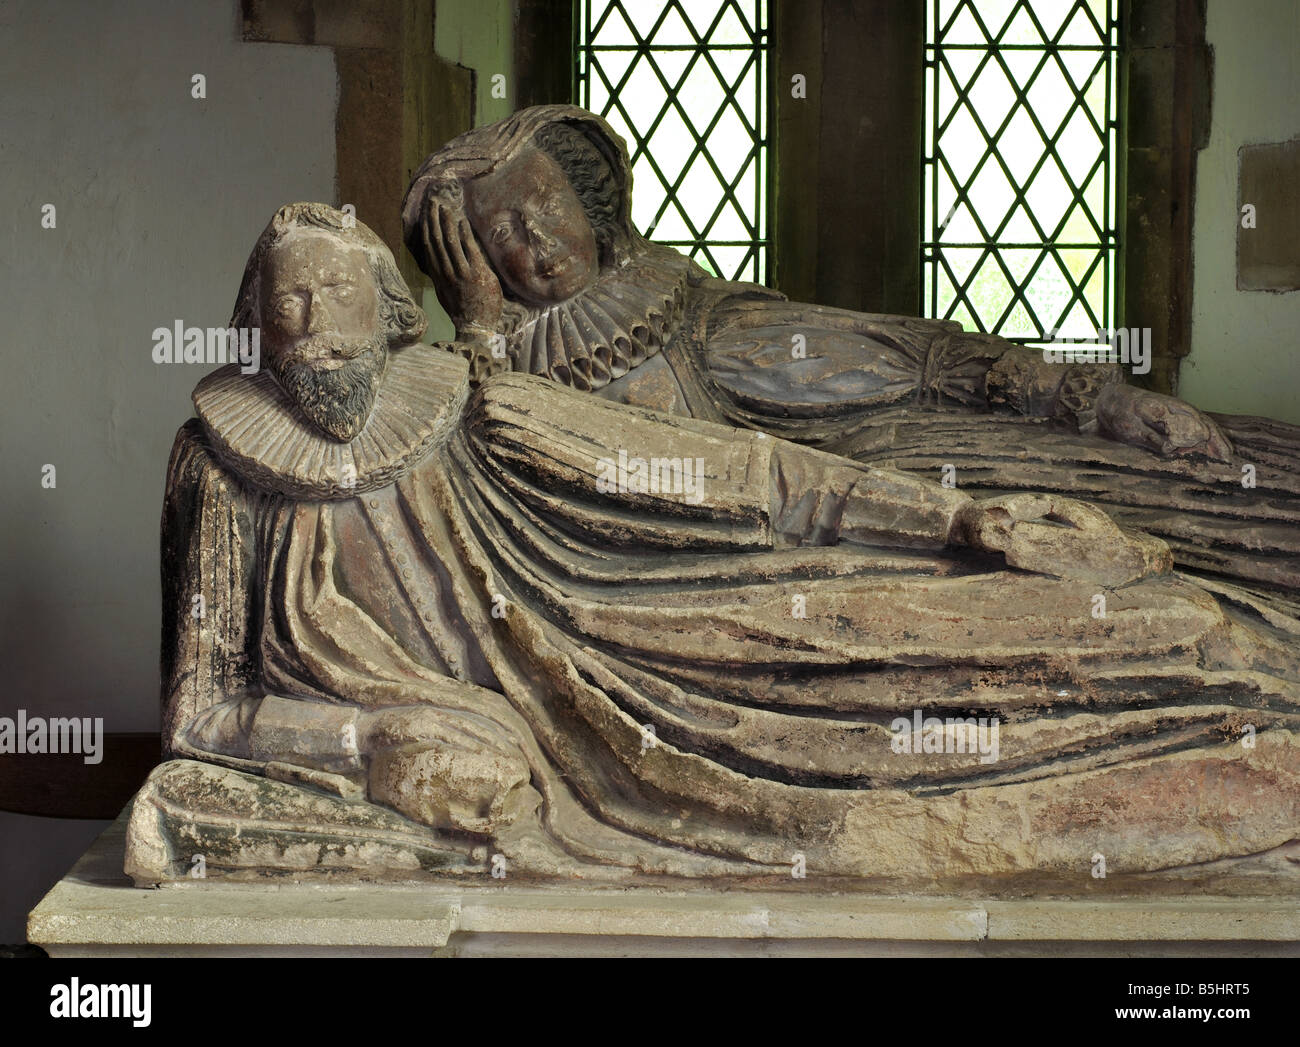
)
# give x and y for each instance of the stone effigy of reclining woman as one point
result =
(524, 227)
(408, 628)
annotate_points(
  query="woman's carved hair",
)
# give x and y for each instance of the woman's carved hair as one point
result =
(591, 177)
(587, 150)
(402, 321)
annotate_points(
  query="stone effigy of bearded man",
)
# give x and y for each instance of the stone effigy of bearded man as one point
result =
(407, 628)
(525, 227)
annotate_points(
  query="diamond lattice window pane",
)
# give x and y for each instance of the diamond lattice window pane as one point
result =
(685, 83)
(1020, 236)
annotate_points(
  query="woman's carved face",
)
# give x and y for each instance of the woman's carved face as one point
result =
(533, 227)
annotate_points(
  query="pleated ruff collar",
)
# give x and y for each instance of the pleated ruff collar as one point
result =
(258, 433)
(625, 317)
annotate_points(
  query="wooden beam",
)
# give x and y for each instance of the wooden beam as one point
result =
(65, 786)
(544, 58)
(1165, 117)
(398, 100)
(848, 156)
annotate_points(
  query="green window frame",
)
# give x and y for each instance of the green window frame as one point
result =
(1020, 229)
(686, 84)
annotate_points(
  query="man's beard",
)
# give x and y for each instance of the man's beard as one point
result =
(338, 399)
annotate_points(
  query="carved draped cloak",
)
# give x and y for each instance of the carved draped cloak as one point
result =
(691, 700)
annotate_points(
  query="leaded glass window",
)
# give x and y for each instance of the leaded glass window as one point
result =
(685, 83)
(1021, 144)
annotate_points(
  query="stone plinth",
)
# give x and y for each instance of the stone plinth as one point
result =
(94, 911)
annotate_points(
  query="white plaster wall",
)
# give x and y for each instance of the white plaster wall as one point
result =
(159, 198)
(1245, 349)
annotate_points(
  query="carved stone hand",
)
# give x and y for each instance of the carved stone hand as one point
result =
(418, 769)
(1051, 535)
(438, 767)
(1159, 423)
(467, 287)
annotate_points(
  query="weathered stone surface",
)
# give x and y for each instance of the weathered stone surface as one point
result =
(193, 820)
(95, 912)
(522, 631)
(638, 323)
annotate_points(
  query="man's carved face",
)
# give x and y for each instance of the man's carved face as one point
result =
(534, 229)
(320, 328)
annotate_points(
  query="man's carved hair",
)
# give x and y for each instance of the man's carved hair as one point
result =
(402, 321)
